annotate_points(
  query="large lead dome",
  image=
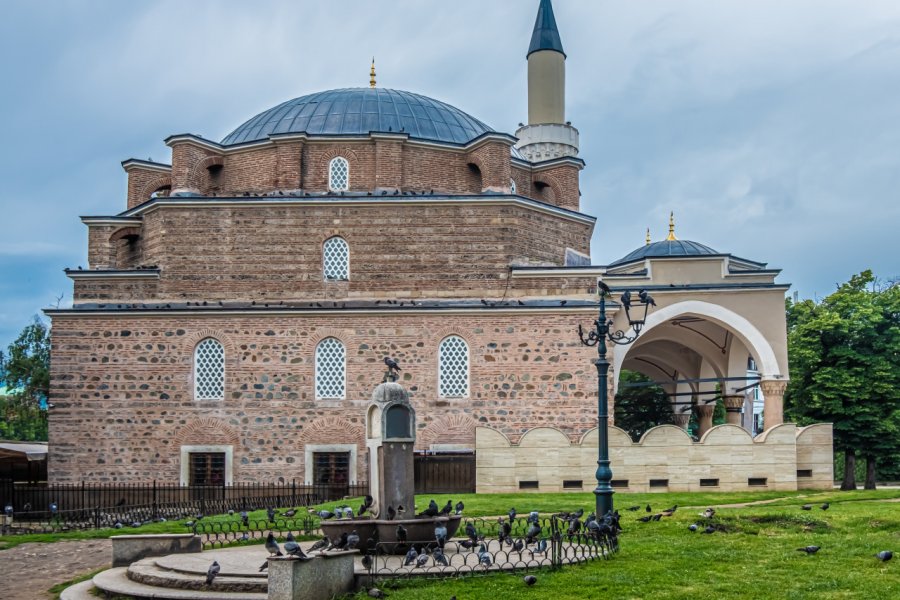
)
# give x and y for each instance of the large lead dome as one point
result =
(359, 111)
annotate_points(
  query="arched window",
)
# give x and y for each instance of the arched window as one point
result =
(512, 186)
(453, 368)
(330, 368)
(336, 259)
(209, 370)
(339, 174)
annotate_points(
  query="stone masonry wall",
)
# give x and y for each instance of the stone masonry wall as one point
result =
(122, 386)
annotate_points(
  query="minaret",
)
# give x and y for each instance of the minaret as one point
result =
(548, 135)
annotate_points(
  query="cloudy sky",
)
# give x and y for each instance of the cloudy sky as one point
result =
(770, 127)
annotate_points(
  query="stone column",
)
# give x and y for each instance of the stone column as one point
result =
(704, 417)
(734, 405)
(773, 396)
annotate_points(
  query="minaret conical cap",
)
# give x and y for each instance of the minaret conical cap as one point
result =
(546, 34)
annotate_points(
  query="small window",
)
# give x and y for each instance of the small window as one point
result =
(336, 259)
(207, 468)
(453, 368)
(756, 481)
(709, 483)
(619, 483)
(209, 370)
(572, 484)
(512, 186)
(658, 483)
(397, 421)
(330, 369)
(339, 174)
(804, 472)
(528, 485)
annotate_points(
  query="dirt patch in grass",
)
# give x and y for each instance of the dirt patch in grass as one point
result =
(752, 525)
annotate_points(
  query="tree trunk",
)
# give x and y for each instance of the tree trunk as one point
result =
(849, 482)
(870, 472)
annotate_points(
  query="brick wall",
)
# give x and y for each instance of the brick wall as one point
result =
(122, 386)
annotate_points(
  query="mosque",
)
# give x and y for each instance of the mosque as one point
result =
(234, 317)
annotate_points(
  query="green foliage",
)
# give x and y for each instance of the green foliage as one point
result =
(640, 408)
(845, 365)
(25, 369)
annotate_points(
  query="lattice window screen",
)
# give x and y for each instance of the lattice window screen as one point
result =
(339, 174)
(209, 370)
(336, 259)
(453, 369)
(512, 186)
(330, 368)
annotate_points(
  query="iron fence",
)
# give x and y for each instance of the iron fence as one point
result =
(52, 508)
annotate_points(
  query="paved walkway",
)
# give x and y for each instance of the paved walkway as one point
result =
(29, 570)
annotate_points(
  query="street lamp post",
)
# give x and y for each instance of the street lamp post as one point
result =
(598, 336)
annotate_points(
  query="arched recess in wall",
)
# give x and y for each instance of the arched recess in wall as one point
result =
(159, 187)
(451, 432)
(205, 174)
(125, 247)
(752, 338)
(546, 189)
(474, 176)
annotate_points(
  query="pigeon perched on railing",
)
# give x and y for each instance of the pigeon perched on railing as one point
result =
(391, 513)
(448, 508)
(292, 547)
(211, 572)
(320, 545)
(432, 510)
(511, 514)
(440, 534)
(440, 558)
(422, 559)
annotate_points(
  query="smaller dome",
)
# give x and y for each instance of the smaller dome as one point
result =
(667, 248)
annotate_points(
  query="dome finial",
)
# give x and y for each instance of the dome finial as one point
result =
(648, 236)
(372, 74)
(671, 237)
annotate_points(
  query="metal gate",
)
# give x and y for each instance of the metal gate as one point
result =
(445, 473)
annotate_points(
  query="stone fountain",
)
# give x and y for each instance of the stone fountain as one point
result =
(390, 440)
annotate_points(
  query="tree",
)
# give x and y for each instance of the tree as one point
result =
(638, 409)
(25, 369)
(845, 368)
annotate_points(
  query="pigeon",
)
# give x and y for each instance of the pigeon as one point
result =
(54, 508)
(708, 513)
(471, 532)
(459, 507)
(656, 517)
(692, 527)
(352, 540)
(709, 529)
(401, 533)
(649, 509)
(342, 541)
(271, 514)
(368, 501)
(292, 547)
(448, 508)
(626, 299)
(485, 559)
(320, 545)
(264, 566)
(642, 519)
(670, 511)
(806, 507)
(391, 364)
(348, 512)
(505, 530)
(376, 593)
(604, 288)
(289, 513)
(541, 547)
(532, 517)
(211, 572)
(8, 509)
(400, 509)
(825, 506)
(530, 580)
(245, 518)
(440, 558)
(362, 509)
(574, 526)
(325, 514)
(578, 513)
(512, 514)
(884, 555)
(809, 549)
(422, 559)
(440, 534)
(646, 298)
(533, 532)
(411, 556)
(367, 561)
(432, 510)
(391, 513)
(272, 545)
(519, 545)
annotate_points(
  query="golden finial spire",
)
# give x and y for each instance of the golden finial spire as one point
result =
(648, 236)
(372, 74)
(671, 237)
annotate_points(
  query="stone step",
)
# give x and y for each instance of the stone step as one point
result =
(148, 573)
(117, 582)
(79, 591)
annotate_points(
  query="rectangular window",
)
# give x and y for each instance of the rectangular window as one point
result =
(804, 472)
(331, 469)
(709, 483)
(757, 481)
(528, 485)
(207, 468)
(619, 483)
(572, 484)
(658, 483)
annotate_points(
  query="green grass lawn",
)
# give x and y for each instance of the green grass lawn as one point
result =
(755, 557)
